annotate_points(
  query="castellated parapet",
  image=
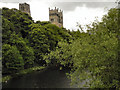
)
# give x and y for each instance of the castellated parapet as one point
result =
(24, 7)
(56, 17)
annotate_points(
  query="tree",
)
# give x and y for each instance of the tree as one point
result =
(15, 29)
(12, 61)
(25, 50)
(96, 60)
(20, 20)
(94, 55)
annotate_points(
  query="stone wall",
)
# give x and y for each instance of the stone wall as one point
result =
(56, 17)
(24, 7)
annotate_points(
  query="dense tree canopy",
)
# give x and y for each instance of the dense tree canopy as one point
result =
(92, 56)
(31, 39)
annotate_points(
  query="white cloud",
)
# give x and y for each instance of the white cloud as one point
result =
(14, 1)
(80, 0)
(39, 11)
(9, 5)
(83, 15)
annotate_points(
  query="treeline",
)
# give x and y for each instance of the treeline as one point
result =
(25, 42)
(93, 56)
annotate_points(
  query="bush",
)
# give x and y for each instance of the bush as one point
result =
(12, 61)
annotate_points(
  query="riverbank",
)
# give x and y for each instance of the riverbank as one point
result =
(49, 77)
(22, 72)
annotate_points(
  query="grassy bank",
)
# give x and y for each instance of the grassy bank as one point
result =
(22, 72)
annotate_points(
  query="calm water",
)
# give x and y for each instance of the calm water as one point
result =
(50, 78)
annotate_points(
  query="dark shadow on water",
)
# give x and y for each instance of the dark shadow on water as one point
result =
(49, 78)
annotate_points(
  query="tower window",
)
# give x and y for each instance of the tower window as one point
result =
(52, 20)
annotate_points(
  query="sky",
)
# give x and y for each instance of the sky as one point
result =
(74, 11)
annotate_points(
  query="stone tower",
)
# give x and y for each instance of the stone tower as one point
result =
(56, 17)
(24, 7)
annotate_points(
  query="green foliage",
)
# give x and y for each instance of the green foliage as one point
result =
(26, 51)
(29, 70)
(12, 61)
(60, 55)
(13, 23)
(6, 78)
(92, 55)
(45, 38)
(98, 54)
(22, 72)
(32, 40)
(20, 20)
(38, 41)
(7, 29)
(42, 23)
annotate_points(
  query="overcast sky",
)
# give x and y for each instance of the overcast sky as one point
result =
(73, 10)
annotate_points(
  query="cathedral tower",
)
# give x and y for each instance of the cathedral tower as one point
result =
(24, 7)
(56, 17)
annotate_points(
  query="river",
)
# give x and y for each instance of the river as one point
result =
(49, 78)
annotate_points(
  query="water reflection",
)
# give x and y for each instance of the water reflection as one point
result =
(50, 78)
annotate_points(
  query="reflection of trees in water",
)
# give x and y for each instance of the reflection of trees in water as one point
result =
(50, 78)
